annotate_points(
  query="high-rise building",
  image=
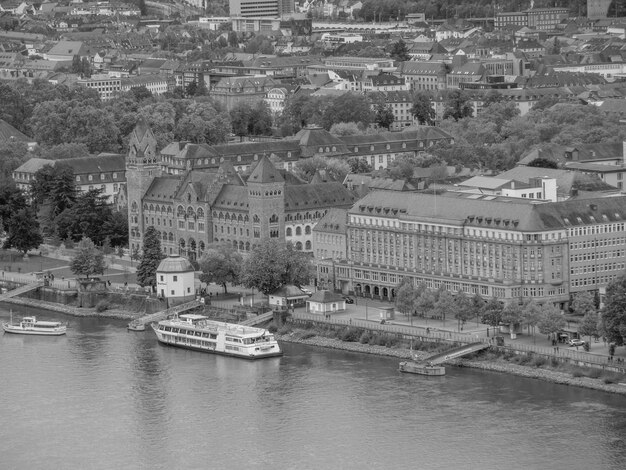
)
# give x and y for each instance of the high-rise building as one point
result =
(597, 9)
(256, 8)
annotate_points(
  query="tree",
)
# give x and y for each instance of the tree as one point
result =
(445, 304)
(251, 120)
(543, 163)
(346, 128)
(551, 320)
(89, 260)
(400, 51)
(477, 304)
(492, 312)
(589, 325)
(583, 304)
(457, 105)
(423, 109)
(384, 115)
(220, 263)
(359, 165)
(335, 168)
(463, 309)
(89, 216)
(349, 107)
(405, 298)
(63, 151)
(613, 318)
(12, 200)
(23, 231)
(151, 256)
(531, 313)
(512, 316)
(13, 153)
(425, 300)
(273, 264)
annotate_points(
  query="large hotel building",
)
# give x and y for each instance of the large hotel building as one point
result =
(510, 248)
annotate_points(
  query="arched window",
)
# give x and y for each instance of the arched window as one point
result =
(247, 246)
(274, 219)
(307, 245)
(241, 246)
(200, 213)
(181, 243)
(191, 212)
(201, 246)
(256, 219)
(235, 244)
(170, 237)
(298, 231)
(133, 207)
(169, 209)
(151, 207)
(227, 216)
(307, 230)
(180, 211)
(299, 246)
(289, 232)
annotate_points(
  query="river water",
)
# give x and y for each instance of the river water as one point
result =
(104, 398)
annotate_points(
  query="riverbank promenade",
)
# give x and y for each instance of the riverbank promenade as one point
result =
(365, 312)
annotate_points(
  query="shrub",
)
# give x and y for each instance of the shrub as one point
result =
(577, 373)
(284, 330)
(307, 335)
(554, 362)
(365, 338)
(102, 306)
(349, 334)
(539, 361)
(594, 373)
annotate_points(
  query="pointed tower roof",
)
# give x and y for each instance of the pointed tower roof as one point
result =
(265, 172)
(141, 128)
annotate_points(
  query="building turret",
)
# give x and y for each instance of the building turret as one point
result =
(266, 197)
(142, 166)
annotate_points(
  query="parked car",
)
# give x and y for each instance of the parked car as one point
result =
(349, 300)
(306, 291)
(576, 342)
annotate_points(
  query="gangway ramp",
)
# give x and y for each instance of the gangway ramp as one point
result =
(455, 352)
(20, 290)
(258, 319)
(163, 314)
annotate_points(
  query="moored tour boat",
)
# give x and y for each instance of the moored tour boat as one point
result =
(413, 367)
(197, 332)
(32, 326)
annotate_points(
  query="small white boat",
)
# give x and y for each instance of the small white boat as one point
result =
(32, 326)
(413, 367)
(136, 326)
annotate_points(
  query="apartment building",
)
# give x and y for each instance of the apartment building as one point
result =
(510, 248)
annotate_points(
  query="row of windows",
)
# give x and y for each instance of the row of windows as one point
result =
(91, 177)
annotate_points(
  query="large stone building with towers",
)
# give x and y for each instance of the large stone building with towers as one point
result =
(204, 204)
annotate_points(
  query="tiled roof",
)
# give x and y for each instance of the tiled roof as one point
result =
(265, 172)
(334, 221)
(325, 297)
(10, 133)
(310, 196)
(491, 211)
(566, 180)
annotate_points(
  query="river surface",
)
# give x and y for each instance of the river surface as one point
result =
(104, 398)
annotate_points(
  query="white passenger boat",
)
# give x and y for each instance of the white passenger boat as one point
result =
(197, 332)
(32, 326)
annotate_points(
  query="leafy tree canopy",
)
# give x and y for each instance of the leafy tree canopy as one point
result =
(151, 257)
(89, 260)
(221, 263)
(23, 231)
(273, 264)
(613, 318)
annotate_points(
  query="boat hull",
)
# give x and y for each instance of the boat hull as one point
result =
(136, 327)
(421, 369)
(216, 351)
(16, 330)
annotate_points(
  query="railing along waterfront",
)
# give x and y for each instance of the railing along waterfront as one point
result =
(559, 352)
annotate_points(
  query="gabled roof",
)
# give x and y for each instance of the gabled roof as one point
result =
(265, 172)
(325, 297)
(8, 133)
(334, 221)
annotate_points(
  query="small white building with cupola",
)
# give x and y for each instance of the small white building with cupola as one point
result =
(176, 280)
